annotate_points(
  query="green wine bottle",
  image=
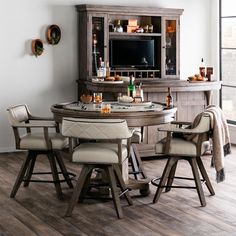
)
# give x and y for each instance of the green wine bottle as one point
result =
(131, 87)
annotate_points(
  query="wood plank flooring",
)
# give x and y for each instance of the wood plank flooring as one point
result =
(37, 211)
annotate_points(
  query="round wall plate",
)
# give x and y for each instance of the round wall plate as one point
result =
(37, 47)
(53, 34)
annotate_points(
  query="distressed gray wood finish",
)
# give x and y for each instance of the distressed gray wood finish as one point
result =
(37, 211)
(144, 15)
(133, 119)
(189, 98)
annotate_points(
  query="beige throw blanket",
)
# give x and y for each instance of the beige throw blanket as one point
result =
(220, 138)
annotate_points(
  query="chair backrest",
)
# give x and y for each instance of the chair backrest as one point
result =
(202, 123)
(95, 128)
(18, 114)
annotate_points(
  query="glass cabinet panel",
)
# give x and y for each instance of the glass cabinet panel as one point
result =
(98, 39)
(170, 45)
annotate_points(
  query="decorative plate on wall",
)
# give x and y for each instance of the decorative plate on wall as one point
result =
(53, 34)
(37, 47)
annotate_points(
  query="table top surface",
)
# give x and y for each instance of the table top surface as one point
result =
(136, 115)
(116, 106)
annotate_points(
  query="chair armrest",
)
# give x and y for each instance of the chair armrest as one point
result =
(42, 124)
(181, 123)
(41, 118)
(132, 130)
(180, 130)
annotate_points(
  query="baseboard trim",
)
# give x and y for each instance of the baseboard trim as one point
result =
(8, 149)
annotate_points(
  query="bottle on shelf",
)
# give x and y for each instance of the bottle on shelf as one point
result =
(202, 69)
(101, 72)
(131, 87)
(118, 27)
(169, 99)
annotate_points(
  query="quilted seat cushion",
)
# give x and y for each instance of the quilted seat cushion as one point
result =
(183, 147)
(98, 153)
(36, 141)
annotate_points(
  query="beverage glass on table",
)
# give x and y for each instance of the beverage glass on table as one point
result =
(105, 108)
(97, 97)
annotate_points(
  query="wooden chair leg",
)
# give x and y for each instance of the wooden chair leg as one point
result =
(86, 186)
(171, 161)
(139, 161)
(133, 163)
(197, 180)
(115, 196)
(21, 174)
(77, 189)
(205, 176)
(30, 170)
(63, 169)
(55, 176)
(122, 184)
(171, 177)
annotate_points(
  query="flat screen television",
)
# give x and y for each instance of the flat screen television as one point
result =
(130, 53)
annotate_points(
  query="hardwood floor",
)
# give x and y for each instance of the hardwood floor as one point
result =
(37, 211)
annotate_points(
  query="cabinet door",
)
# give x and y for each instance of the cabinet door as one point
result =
(97, 39)
(170, 47)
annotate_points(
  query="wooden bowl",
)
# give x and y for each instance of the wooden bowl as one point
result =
(37, 47)
(53, 34)
(86, 98)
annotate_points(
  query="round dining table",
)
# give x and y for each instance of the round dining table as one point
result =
(136, 115)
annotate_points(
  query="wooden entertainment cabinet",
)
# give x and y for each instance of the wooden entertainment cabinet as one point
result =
(95, 29)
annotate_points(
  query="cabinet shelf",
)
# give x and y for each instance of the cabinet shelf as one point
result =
(135, 34)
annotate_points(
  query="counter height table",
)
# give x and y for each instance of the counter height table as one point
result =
(136, 115)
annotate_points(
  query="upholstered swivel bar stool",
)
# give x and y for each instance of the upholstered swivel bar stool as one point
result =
(102, 147)
(190, 149)
(38, 140)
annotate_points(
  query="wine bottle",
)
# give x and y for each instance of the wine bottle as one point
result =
(101, 68)
(169, 99)
(131, 87)
(118, 27)
(202, 69)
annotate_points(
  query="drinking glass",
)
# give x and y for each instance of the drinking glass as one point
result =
(97, 97)
(105, 108)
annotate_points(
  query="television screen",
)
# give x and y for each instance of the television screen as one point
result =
(131, 53)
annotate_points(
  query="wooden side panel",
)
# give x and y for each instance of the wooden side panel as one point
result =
(190, 104)
(82, 40)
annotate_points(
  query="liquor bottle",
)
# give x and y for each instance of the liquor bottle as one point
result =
(131, 87)
(118, 27)
(202, 70)
(169, 100)
(101, 68)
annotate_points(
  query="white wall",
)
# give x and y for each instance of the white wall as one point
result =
(50, 78)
